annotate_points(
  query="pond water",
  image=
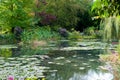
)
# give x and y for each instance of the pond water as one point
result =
(67, 62)
(76, 65)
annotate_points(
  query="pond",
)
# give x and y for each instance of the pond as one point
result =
(76, 61)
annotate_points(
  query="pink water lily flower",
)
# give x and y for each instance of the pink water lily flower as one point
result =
(10, 78)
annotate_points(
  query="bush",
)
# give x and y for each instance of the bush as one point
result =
(93, 32)
(39, 33)
(74, 35)
(90, 31)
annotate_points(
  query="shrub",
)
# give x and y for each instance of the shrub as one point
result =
(90, 31)
(93, 32)
(40, 33)
(74, 35)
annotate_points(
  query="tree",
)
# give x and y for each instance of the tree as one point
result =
(108, 11)
(106, 8)
(65, 12)
(16, 13)
(111, 27)
(85, 15)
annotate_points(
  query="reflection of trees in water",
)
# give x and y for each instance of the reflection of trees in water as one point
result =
(92, 75)
(5, 53)
(10, 52)
(68, 70)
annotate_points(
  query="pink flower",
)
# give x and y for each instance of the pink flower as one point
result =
(10, 78)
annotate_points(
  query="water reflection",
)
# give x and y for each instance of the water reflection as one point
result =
(78, 65)
(57, 65)
(5, 53)
(92, 75)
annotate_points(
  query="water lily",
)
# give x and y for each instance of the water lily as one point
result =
(10, 77)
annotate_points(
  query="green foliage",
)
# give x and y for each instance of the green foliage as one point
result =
(111, 27)
(5, 53)
(74, 35)
(106, 8)
(15, 13)
(90, 31)
(61, 8)
(41, 33)
(109, 12)
(7, 39)
(93, 32)
(66, 11)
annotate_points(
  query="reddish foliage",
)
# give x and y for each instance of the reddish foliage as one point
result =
(46, 18)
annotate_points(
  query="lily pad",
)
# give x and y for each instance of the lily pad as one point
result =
(91, 60)
(58, 58)
(82, 68)
(85, 63)
(50, 62)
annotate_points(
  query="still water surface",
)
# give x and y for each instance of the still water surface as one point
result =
(57, 65)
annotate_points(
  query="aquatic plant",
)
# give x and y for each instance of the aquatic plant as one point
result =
(10, 77)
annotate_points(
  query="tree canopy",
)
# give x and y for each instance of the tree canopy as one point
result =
(106, 8)
(109, 12)
(66, 12)
(15, 13)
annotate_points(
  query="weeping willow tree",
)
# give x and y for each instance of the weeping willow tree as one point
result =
(108, 11)
(111, 27)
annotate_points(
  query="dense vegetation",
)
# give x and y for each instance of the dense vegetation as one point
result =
(35, 22)
(108, 12)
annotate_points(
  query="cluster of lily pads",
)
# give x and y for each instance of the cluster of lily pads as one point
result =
(22, 68)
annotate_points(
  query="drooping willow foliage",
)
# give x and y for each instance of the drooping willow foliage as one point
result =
(111, 27)
(109, 11)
